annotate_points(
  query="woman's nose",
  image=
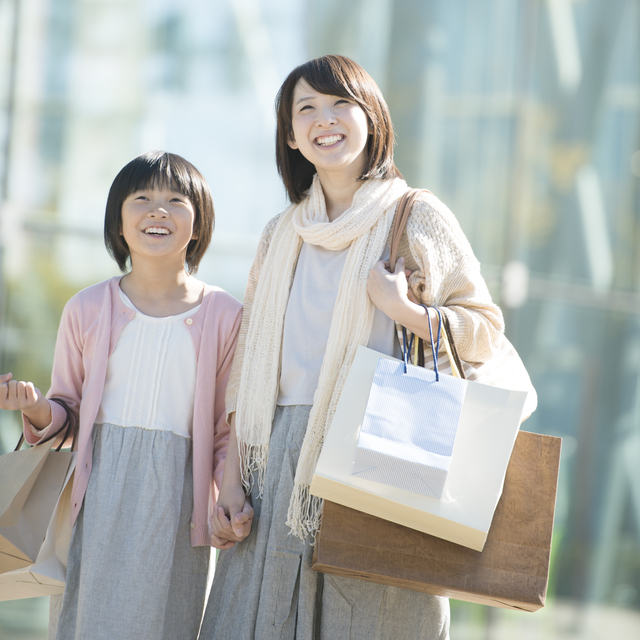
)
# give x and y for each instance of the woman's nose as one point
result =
(327, 117)
(158, 212)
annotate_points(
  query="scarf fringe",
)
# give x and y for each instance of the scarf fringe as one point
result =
(305, 513)
(364, 228)
(253, 466)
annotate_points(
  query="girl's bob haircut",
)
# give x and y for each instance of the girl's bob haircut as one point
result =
(334, 76)
(160, 170)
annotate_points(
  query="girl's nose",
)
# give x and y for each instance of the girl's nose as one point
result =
(158, 212)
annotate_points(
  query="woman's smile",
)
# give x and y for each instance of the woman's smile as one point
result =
(329, 141)
(331, 132)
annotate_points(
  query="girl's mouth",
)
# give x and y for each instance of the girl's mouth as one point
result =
(329, 141)
(157, 231)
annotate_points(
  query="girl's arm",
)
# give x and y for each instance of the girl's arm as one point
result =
(67, 378)
(221, 426)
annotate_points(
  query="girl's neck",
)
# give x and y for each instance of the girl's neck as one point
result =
(159, 291)
(338, 189)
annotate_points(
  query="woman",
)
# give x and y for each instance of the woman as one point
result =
(318, 288)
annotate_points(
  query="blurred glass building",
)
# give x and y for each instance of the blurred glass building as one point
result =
(522, 115)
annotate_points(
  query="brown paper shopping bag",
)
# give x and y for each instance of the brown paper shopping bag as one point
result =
(47, 575)
(512, 570)
(31, 481)
(40, 474)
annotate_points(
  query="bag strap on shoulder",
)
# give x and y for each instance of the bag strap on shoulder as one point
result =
(405, 204)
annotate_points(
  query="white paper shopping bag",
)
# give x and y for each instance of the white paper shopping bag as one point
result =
(487, 430)
(46, 576)
(409, 428)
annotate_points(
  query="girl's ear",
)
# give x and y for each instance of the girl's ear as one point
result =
(291, 141)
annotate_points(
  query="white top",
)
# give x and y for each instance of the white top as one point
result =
(308, 319)
(151, 374)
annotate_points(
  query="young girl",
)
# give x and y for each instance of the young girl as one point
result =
(319, 287)
(144, 360)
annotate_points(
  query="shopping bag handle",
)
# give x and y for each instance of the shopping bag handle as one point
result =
(435, 349)
(70, 428)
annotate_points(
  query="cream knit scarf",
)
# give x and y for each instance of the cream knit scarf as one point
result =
(364, 228)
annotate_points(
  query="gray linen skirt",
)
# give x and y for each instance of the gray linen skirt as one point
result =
(132, 572)
(264, 587)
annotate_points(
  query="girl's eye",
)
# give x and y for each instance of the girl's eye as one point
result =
(342, 101)
(306, 107)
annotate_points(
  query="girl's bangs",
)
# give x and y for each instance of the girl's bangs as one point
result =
(158, 173)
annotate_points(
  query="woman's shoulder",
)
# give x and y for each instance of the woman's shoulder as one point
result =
(431, 217)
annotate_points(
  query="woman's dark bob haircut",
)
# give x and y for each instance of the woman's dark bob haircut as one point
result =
(159, 170)
(333, 76)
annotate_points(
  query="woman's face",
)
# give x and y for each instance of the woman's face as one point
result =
(330, 131)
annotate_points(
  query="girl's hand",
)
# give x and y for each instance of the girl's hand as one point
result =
(23, 396)
(388, 291)
(232, 517)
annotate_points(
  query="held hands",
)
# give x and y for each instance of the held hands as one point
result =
(389, 291)
(232, 517)
(23, 396)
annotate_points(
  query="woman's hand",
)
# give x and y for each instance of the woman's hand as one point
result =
(23, 396)
(232, 517)
(389, 291)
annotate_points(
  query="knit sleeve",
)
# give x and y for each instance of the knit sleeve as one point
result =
(67, 374)
(249, 294)
(447, 275)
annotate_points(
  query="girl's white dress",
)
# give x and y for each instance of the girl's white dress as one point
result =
(132, 573)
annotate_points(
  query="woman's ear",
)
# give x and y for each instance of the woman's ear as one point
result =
(291, 141)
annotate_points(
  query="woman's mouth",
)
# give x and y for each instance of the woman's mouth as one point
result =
(157, 231)
(329, 141)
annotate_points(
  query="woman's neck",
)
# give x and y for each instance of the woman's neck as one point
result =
(160, 291)
(338, 190)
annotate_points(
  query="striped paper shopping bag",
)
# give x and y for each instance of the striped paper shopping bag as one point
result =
(409, 428)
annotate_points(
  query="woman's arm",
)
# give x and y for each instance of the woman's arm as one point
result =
(233, 384)
(445, 274)
(233, 514)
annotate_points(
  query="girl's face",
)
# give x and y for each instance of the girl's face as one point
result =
(330, 131)
(157, 223)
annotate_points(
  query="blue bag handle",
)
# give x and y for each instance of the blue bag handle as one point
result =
(435, 349)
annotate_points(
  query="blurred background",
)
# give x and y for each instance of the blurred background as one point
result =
(522, 115)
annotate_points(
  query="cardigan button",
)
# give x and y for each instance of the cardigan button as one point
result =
(193, 525)
(189, 320)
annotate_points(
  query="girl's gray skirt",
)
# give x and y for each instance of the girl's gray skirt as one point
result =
(132, 573)
(264, 587)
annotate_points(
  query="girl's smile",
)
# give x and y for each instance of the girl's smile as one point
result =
(157, 223)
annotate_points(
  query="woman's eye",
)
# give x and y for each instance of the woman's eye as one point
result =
(342, 101)
(306, 108)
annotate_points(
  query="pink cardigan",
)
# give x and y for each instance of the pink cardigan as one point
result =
(89, 329)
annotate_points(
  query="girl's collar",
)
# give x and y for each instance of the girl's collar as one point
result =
(121, 307)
